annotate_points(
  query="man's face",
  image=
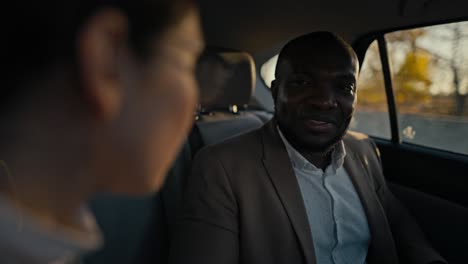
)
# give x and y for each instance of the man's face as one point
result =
(315, 98)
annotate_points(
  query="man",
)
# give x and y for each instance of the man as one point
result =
(301, 189)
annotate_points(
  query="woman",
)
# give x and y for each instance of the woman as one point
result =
(98, 96)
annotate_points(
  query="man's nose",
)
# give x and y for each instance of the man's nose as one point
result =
(323, 99)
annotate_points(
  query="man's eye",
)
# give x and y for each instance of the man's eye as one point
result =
(349, 88)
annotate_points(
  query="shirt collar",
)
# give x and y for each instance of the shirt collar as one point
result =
(300, 162)
(25, 236)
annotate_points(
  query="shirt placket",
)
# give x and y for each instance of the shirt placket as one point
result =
(326, 177)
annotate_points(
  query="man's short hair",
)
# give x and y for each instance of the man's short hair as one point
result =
(319, 40)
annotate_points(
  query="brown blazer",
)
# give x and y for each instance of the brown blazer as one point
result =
(243, 205)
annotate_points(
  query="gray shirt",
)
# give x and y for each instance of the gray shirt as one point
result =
(335, 213)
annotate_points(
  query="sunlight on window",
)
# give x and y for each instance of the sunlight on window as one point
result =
(371, 116)
(267, 72)
(429, 66)
(430, 84)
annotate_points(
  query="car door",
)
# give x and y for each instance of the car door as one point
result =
(413, 100)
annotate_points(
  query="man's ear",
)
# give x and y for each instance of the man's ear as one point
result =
(274, 89)
(100, 45)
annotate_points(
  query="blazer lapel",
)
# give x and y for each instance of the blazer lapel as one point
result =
(381, 249)
(279, 168)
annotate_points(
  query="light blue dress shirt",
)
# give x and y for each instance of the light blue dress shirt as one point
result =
(336, 217)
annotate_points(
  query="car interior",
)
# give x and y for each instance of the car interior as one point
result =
(430, 177)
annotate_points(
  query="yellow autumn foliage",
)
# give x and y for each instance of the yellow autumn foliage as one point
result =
(415, 68)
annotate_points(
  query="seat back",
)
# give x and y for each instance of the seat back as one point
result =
(225, 97)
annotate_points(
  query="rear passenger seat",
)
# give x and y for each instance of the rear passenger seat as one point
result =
(138, 230)
(224, 98)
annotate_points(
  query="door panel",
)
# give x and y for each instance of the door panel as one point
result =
(433, 185)
(444, 222)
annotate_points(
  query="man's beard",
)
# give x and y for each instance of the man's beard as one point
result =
(315, 148)
(327, 146)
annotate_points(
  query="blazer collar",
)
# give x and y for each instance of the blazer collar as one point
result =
(281, 173)
(279, 168)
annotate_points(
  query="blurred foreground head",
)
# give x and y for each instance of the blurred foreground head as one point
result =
(98, 95)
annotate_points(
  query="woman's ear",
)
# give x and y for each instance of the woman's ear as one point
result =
(100, 46)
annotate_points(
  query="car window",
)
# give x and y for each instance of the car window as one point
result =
(267, 71)
(371, 116)
(429, 68)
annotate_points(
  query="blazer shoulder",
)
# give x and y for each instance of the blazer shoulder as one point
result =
(360, 143)
(242, 145)
(353, 135)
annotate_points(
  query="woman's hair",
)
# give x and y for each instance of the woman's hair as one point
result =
(37, 33)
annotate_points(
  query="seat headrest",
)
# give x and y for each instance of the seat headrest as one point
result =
(225, 79)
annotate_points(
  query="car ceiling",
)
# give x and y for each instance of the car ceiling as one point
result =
(255, 26)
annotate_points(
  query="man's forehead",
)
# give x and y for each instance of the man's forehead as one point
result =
(330, 73)
(309, 70)
(316, 57)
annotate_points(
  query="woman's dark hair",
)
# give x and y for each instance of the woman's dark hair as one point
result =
(37, 33)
